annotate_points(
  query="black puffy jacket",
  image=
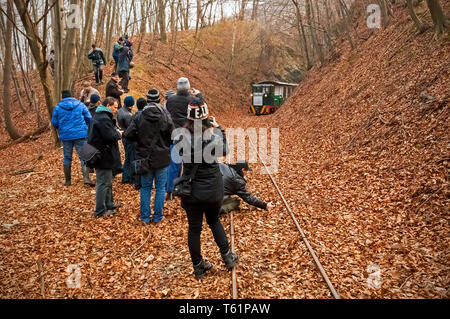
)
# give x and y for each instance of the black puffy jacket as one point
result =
(234, 184)
(152, 130)
(207, 185)
(104, 137)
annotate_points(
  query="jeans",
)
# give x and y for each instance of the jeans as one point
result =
(160, 178)
(195, 219)
(68, 149)
(130, 156)
(174, 170)
(104, 197)
(98, 72)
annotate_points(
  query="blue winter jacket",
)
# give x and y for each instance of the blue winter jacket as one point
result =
(71, 118)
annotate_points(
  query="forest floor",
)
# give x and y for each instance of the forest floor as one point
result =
(364, 162)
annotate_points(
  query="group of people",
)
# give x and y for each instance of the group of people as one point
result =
(148, 139)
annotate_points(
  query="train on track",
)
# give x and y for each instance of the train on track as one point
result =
(268, 96)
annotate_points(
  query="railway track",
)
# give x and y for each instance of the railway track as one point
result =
(302, 235)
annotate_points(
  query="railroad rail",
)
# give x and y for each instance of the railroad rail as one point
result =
(302, 234)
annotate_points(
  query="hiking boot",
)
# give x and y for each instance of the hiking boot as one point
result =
(67, 175)
(230, 259)
(201, 269)
(87, 180)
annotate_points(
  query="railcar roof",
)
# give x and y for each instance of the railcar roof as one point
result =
(277, 83)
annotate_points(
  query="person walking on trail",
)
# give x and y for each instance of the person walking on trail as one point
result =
(124, 116)
(235, 184)
(71, 118)
(86, 93)
(152, 130)
(105, 136)
(116, 49)
(124, 67)
(177, 105)
(202, 168)
(98, 61)
(112, 88)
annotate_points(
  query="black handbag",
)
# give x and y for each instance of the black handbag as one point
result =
(90, 155)
(183, 185)
(141, 166)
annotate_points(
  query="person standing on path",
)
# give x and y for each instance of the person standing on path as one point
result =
(98, 61)
(124, 68)
(177, 106)
(116, 49)
(207, 193)
(152, 130)
(124, 116)
(87, 92)
(105, 136)
(71, 118)
(112, 88)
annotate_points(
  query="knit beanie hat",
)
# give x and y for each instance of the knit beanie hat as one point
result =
(169, 94)
(141, 103)
(197, 110)
(95, 98)
(153, 96)
(129, 101)
(183, 84)
(66, 94)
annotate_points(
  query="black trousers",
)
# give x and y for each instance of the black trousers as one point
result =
(125, 79)
(195, 219)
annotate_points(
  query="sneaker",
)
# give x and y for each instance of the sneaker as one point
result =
(230, 259)
(201, 269)
(110, 212)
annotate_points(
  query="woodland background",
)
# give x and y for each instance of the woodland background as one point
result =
(364, 147)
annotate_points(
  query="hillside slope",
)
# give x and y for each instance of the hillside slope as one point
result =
(365, 159)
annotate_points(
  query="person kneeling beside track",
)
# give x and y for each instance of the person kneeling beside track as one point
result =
(234, 183)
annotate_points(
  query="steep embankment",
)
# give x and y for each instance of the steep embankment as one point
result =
(365, 162)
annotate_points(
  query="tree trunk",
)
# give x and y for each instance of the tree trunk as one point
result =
(38, 50)
(301, 35)
(419, 24)
(86, 39)
(10, 128)
(162, 19)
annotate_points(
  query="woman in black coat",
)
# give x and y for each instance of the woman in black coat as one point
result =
(207, 185)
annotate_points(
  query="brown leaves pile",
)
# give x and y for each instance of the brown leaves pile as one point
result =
(363, 164)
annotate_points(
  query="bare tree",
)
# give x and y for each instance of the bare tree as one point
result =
(441, 21)
(10, 128)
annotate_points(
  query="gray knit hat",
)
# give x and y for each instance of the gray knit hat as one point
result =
(183, 84)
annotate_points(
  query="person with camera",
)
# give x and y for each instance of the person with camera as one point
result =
(200, 166)
(152, 130)
(177, 105)
(105, 137)
(235, 184)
